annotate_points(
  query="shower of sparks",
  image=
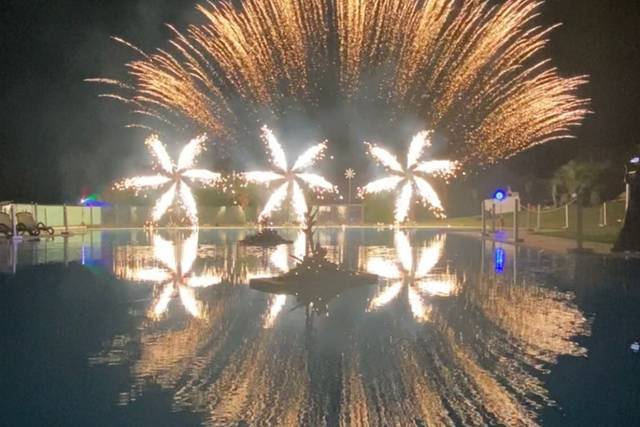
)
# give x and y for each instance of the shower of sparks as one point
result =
(175, 276)
(475, 69)
(289, 182)
(413, 270)
(410, 180)
(176, 177)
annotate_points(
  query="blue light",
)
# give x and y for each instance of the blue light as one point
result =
(635, 160)
(500, 195)
(500, 258)
(94, 203)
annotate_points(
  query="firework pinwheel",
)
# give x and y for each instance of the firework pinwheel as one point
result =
(174, 177)
(290, 181)
(410, 180)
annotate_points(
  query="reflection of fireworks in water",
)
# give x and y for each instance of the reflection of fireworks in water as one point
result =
(176, 175)
(412, 269)
(175, 277)
(280, 259)
(289, 181)
(275, 307)
(410, 179)
(471, 69)
(482, 359)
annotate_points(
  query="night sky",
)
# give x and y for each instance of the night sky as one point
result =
(59, 139)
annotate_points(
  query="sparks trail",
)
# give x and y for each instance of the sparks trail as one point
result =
(472, 71)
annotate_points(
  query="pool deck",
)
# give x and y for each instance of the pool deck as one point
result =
(547, 243)
(529, 239)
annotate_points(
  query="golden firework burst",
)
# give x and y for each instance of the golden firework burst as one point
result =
(474, 71)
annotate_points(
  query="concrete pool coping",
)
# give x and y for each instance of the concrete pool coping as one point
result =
(538, 241)
(552, 244)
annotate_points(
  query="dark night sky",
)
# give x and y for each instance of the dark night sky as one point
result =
(59, 137)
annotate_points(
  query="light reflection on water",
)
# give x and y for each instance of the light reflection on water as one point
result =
(436, 341)
(449, 336)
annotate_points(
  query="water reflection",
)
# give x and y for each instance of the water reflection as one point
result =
(81, 248)
(411, 269)
(476, 352)
(173, 273)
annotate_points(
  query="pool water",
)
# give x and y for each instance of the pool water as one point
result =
(128, 329)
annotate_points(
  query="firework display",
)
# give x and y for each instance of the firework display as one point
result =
(410, 179)
(174, 177)
(289, 181)
(473, 71)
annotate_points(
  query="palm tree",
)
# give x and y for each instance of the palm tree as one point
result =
(578, 178)
(553, 186)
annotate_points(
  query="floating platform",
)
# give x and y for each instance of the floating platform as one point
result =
(314, 279)
(265, 238)
(321, 282)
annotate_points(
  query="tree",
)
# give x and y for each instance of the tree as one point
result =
(579, 178)
(629, 238)
(529, 183)
(553, 183)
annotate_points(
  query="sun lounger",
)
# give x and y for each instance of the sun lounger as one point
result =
(27, 224)
(6, 227)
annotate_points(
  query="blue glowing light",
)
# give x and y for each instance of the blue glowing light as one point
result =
(500, 195)
(500, 258)
(89, 203)
(93, 201)
(635, 160)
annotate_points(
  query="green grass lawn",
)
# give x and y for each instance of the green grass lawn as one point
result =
(599, 235)
(552, 222)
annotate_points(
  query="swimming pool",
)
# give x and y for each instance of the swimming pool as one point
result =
(129, 328)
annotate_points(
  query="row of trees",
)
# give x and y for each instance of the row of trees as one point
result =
(581, 181)
(587, 180)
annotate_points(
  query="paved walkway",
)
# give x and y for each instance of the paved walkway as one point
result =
(549, 243)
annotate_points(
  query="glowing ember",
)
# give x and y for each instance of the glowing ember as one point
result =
(290, 181)
(178, 175)
(410, 180)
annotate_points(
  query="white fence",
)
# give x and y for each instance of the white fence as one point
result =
(136, 216)
(53, 215)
